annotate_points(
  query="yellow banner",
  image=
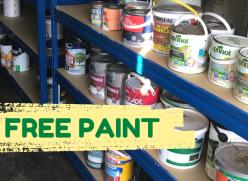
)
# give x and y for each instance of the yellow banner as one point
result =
(34, 127)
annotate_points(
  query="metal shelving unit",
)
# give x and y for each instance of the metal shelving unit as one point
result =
(28, 32)
(215, 102)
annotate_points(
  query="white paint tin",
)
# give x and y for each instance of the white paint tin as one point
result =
(20, 61)
(95, 159)
(243, 63)
(240, 90)
(213, 143)
(222, 73)
(226, 47)
(188, 158)
(49, 33)
(6, 55)
(11, 8)
(231, 162)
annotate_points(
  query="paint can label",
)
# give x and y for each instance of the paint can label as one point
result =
(113, 95)
(112, 19)
(241, 91)
(97, 84)
(6, 55)
(97, 14)
(243, 68)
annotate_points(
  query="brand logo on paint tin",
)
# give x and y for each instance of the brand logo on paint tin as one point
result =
(244, 63)
(219, 49)
(179, 39)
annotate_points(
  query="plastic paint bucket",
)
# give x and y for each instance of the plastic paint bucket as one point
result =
(6, 55)
(20, 61)
(118, 166)
(222, 73)
(188, 47)
(75, 58)
(243, 64)
(95, 159)
(164, 17)
(137, 27)
(169, 100)
(11, 8)
(240, 90)
(226, 47)
(188, 158)
(213, 143)
(98, 68)
(231, 162)
(112, 17)
(116, 77)
(49, 33)
(140, 91)
(96, 13)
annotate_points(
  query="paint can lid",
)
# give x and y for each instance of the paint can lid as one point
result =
(189, 29)
(102, 58)
(136, 83)
(118, 68)
(174, 9)
(137, 5)
(244, 52)
(232, 159)
(194, 121)
(137, 12)
(232, 40)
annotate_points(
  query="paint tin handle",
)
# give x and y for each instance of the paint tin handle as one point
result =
(147, 83)
(221, 19)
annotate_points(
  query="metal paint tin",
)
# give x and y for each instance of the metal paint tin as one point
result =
(116, 77)
(137, 5)
(222, 73)
(6, 55)
(96, 13)
(137, 27)
(243, 63)
(140, 91)
(75, 58)
(240, 90)
(188, 158)
(164, 17)
(213, 142)
(118, 166)
(226, 47)
(188, 48)
(49, 33)
(20, 61)
(112, 17)
(231, 161)
(95, 159)
(97, 69)
(169, 100)
(11, 8)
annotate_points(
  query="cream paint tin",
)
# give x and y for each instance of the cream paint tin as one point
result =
(213, 143)
(231, 162)
(20, 61)
(226, 47)
(243, 63)
(222, 73)
(188, 158)
(6, 55)
(240, 90)
(11, 8)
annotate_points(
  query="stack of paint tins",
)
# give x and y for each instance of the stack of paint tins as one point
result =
(218, 136)
(223, 59)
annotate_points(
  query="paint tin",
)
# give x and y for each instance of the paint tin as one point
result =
(112, 17)
(226, 47)
(137, 27)
(49, 33)
(169, 100)
(116, 77)
(96, 13)
(97, 69)
(240, 90)
(222, 73)
(188, 48)
(231, 161)
(164, 17)
(6, 55)
(188, 158)
(20, 61)
(118, 166)
(213, 142)
(140, 91)
(95, 159)
(243, 63)
(75, 58)
(11, 8)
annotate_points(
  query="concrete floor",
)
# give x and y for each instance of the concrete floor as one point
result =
(32, 166)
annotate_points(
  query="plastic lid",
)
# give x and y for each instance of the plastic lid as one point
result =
(233, 40)
(175, 9)
(233, 158)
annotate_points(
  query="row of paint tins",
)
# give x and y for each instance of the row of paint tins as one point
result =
(188, 157)
(231, 162)
(118, 166)
(218, 135)
(11, 8)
